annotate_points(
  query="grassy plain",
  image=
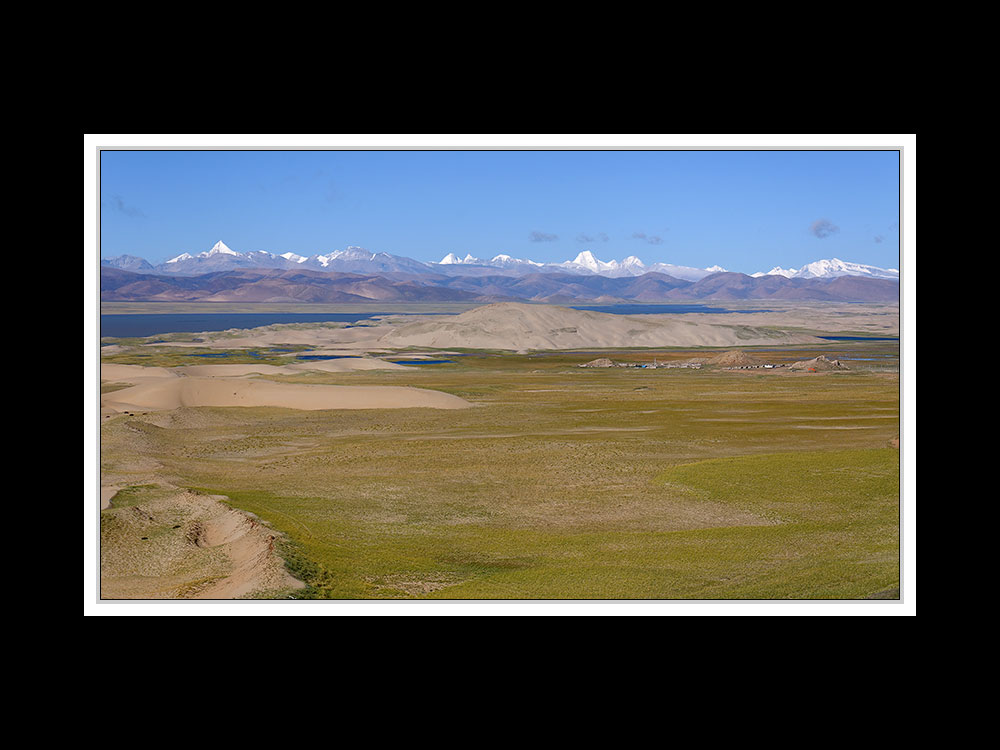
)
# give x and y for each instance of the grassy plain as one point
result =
(562, 482)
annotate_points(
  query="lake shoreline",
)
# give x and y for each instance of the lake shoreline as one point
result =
(142, 321)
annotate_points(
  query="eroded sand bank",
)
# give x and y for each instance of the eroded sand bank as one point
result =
(184, 545)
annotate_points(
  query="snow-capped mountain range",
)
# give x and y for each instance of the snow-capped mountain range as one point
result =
(832, 268)
(585, 262)
(359, 260)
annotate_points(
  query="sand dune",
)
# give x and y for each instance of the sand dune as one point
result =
(174, 393)
(516, 326)
(134, 373)
(348, 364)
(519, 326)
(229, 371)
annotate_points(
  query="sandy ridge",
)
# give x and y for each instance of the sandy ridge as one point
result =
(159, 388)
(174, 393)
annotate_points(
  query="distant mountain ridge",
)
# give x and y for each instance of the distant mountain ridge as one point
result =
(359, 260)
(128, 263)
(277, 285)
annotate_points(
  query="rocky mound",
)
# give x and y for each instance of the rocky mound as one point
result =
(601, 362)
(819, 364)
(735, 358)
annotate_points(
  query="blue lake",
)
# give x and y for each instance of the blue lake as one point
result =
(328, 356)
(256, 354)
(858, 338)
(223, 355)
(151, 324)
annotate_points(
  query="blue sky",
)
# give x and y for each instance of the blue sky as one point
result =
(743, 210)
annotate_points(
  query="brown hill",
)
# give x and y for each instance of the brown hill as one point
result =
(735, 358)
(819, 364)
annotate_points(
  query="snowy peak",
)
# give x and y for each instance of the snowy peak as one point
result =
(507, 260)
(497, 261)
(353, 252)
(831, 269)
(834, 267)
(452, 259)
(584, 263)
(220, 247)
(352, 259)
(587, 260)
(776, 271)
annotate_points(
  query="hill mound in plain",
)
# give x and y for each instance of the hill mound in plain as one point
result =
(735, 358)
(819, 364)
(517, 326)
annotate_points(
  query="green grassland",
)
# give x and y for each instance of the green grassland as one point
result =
(562, 482)
(168, 356)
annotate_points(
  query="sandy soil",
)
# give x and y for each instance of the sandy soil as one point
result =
(134, 373)
(250, 547)
(518, 326)
(107, 493)
(875, 319)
